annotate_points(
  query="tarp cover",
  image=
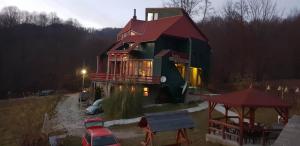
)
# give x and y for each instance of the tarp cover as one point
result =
(290, 134)
(167, 121)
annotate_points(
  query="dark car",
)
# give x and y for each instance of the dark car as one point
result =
(83, 96)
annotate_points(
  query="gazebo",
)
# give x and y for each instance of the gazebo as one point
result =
(244, 103)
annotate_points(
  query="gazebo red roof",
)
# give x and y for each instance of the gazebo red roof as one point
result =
(249, 98)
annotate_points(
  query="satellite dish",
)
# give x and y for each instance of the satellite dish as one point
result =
(184, 88)
(163, 79)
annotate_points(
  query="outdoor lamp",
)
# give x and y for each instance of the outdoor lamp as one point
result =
(83, 71)
(297, 90)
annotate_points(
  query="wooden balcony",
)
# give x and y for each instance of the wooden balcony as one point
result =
(103, 77)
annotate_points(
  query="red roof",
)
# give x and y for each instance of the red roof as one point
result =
(249, 98)
(145, 31)
(179, 26)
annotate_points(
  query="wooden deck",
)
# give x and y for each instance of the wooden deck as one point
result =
(103, 77)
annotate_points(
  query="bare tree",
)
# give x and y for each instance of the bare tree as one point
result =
(10, 16)
(192, 7)
(264, 10)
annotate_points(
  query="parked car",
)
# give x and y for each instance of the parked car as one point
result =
(99, 137)
(46, 92)
(83, 96)
(95, 108)
(94, 123)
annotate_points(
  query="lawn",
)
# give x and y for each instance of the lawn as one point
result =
(21, 117)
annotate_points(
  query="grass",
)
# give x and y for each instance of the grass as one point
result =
(169, 107)
(196, 135)
(21, 117)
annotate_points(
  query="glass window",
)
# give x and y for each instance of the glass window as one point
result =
(104, 140)
(155, 16)
(94, 124)
(88, 138)
(150, 17)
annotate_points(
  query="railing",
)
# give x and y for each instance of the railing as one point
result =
(250, 135)
(225, 130)
(121, 78)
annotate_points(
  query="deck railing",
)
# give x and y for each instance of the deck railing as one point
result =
(225, 130)
(121, 78)
(251, 135)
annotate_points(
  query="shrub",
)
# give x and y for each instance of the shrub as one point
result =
(125, 102)
(98, 94)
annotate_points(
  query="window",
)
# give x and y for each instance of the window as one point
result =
(140, 68)
(150, 17)
(146, 91)
(155, 16)
(88, 138)
(104, 140)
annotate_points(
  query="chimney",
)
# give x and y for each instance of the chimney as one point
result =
(134, 14)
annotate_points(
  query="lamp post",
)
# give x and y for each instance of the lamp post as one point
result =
(83, 72)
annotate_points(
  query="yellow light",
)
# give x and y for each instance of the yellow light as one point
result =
(145, 89)
(83, 71)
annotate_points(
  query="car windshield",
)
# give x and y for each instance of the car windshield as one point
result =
(97, 102)
(104, 140)
(96, 123)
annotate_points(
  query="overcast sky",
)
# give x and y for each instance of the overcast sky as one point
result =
(108, 13)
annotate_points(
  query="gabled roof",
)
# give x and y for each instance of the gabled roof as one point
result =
(249, 98)
(179, 26)
(167, 121)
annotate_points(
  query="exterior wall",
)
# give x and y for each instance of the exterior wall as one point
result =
(200, 57)
(172, 43)
(163, 12)
(144, 51)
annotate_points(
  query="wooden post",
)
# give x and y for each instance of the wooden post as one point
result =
(209, 116)
(115, 65)
(107, 72)
(252, 117)
(286, 116)
(241, 122)
(226, 121)
(97, 64)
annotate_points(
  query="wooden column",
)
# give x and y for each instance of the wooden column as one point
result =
(107, 71)
(115, 65)
(252, 117)
(97, 64)
(121, 66)
(209, 116)
(241, 123)
(286, 116)
(226, 121)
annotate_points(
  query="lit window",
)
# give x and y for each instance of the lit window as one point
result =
(155, 16)
(146, 91)
(150, 17)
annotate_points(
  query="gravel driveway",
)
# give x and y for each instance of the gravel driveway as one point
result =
(69, 118)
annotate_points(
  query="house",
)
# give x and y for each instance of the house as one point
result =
(166, 53)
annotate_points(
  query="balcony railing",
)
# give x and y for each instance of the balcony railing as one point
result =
(103, 77)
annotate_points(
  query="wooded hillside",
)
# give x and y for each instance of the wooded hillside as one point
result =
(40, 51)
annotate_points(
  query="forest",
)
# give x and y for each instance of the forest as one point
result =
(40, 51)
(249, 41)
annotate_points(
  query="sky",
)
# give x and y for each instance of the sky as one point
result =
(109, 13)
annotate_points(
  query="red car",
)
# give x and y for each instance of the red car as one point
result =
(99, 137)
(93, 123)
